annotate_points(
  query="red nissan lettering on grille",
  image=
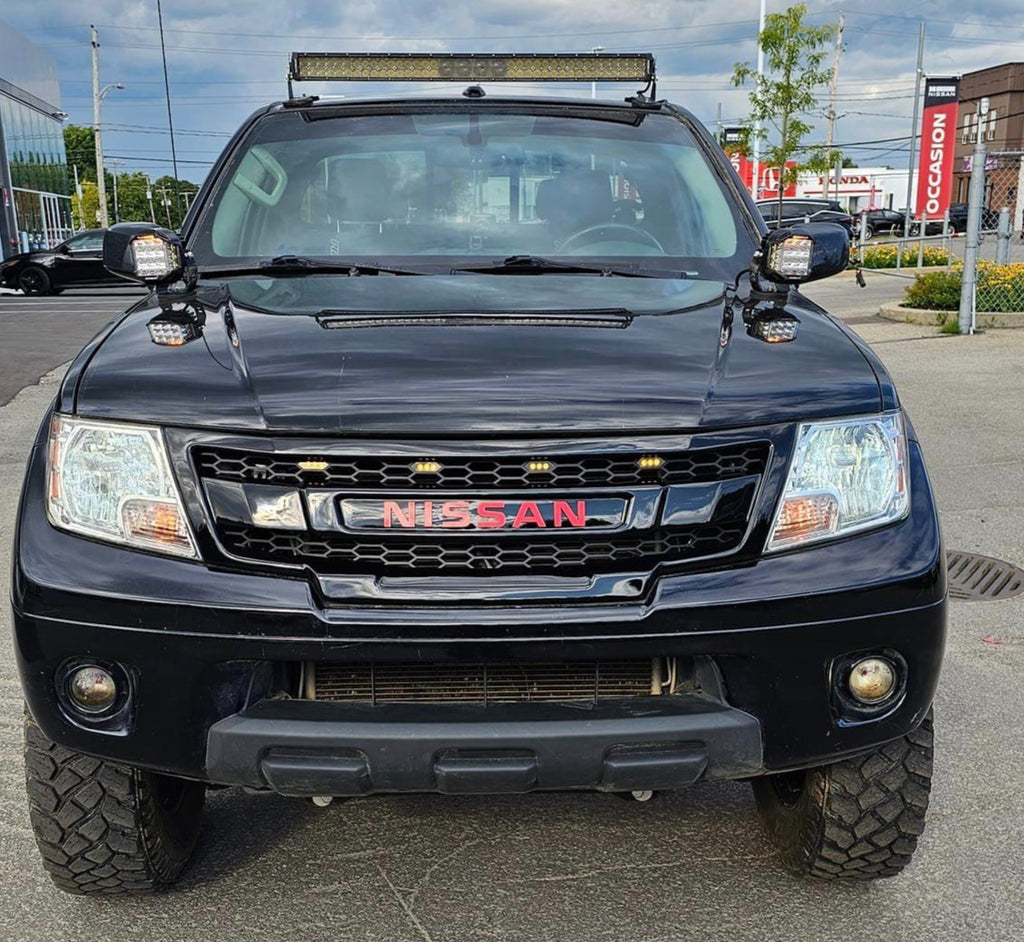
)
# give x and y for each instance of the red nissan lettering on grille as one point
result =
(482, 515)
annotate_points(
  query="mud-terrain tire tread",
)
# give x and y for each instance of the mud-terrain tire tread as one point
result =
(858, 819)
(100, 827)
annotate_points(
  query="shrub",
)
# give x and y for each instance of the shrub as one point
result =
(935, 291)
(1000, 288)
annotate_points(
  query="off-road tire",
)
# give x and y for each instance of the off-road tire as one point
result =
(33, 280)
(103, 828)
(858, 819)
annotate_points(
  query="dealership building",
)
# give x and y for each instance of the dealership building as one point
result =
(35, 202)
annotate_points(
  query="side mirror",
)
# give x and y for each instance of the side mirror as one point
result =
(143, 253)
(804, 253)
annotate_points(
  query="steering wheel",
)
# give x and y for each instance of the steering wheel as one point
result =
(597, 234)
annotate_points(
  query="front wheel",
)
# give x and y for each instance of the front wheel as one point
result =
(858, 819)
(108, 829)
(868, 232)
(34, 280)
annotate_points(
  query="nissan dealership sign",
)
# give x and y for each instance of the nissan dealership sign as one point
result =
(938, 139)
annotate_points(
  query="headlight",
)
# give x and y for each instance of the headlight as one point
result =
(112, 481)
(844, 477)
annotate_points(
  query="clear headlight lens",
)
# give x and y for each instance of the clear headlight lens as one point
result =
(844, 477)
(113, 481)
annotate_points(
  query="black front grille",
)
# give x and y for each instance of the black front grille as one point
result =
(418, 682)
(508, 555)
(567, 471)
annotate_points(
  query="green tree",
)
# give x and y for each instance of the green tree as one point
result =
(787, 92)
(80, 147)
(171, 199)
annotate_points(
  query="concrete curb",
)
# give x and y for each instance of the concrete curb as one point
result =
(916, 315)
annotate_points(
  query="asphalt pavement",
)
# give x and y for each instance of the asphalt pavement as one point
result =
(38, 334)
(687, 866)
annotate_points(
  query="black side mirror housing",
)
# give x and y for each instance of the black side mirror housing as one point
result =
(803, 253)
(143, 253)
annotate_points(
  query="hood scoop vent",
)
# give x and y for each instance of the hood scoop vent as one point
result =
(614, 319)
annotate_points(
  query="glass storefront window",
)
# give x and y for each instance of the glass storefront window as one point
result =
(35, 157)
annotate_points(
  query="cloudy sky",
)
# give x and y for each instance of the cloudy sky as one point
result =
(225, 59)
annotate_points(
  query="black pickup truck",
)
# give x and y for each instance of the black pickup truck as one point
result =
(475, 444)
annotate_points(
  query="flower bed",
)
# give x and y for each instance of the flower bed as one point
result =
(884, 256)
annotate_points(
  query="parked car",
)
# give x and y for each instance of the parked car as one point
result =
(76, 263)
(796, 211)
(892, 222)
(360, 499)
(958, 218)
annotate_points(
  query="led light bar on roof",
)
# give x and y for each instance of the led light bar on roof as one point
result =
(446, 67)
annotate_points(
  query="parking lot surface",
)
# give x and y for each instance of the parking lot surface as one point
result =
(686, 866)
(38, 334)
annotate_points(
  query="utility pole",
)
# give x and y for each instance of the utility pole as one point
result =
(78, 193)
(832, 88)
(117, 212)
(167, 91)
(149, 196)
(718, 124)
(975, 199)
(593, 85)
(101, 183)
(913, 131)
(167, 206)
(755, 163)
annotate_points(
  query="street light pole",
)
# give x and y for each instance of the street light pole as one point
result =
(913, 136)
(101, 183)
(98, 95)
(117, 211)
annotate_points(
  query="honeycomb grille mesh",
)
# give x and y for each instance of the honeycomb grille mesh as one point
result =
(483, 683)
(509, 556)
(601, 470)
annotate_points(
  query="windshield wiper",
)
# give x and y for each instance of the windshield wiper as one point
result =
(538, 264)
(301, 265)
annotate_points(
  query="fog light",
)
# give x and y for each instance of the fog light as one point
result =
(872, 680)
(92, 689)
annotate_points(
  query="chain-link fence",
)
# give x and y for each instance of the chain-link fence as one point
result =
(1000, 281)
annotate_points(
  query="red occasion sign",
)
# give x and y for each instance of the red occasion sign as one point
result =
(938, 140)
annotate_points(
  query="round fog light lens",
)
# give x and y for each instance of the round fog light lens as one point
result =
(92, 689)
(872, 679)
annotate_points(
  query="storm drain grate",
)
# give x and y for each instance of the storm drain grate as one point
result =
(977, 578)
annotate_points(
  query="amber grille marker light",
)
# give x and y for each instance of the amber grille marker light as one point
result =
(426, 467)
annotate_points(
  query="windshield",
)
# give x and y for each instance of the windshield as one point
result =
(455, 188)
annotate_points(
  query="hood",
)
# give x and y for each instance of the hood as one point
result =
(474, 353)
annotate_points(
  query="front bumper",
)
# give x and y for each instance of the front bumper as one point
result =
(203, 644)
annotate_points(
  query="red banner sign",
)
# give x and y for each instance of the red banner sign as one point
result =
(769, 177)
(938, 140)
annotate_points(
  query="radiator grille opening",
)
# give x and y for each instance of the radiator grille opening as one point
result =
(482, 683)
